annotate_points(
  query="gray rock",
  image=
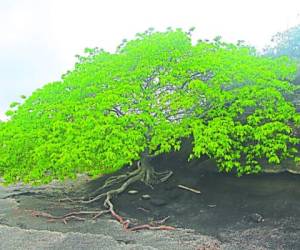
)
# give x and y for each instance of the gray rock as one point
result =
(146, 197)
(133, 192)
(255, 217)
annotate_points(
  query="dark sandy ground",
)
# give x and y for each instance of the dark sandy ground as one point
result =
(251, 212)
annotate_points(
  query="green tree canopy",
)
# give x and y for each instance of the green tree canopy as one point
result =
(155, 91)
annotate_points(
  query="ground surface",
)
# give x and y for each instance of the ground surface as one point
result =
(252, 212)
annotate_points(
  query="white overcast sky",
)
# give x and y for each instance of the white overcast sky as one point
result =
(39, 38)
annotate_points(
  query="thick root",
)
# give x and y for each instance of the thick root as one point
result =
(144, 173)
(69, 216)
(115, 180)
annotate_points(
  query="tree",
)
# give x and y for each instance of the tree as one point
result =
(285, 43)
(118, 109)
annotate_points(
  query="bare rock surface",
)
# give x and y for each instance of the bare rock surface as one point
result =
(16, 238)
(218, 218)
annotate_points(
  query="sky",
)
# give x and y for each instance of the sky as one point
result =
(39, 39)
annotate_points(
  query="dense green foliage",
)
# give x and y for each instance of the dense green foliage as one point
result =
(152, 93)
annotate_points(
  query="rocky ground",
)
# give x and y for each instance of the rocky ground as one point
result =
(252, 212)
(20, 230)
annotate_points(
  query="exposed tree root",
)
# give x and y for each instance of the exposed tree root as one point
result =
(144, 173)
(143, 209)
(149, 227)
(155, 225)
(127, 226)
(69, 216)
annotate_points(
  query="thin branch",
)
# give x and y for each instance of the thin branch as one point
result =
(189, 189)
(117, 111)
